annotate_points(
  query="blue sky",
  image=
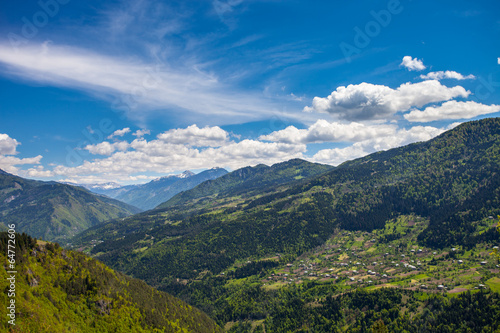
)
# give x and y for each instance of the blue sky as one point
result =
(127, 91)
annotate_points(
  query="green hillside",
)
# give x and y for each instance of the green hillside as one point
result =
(54, 211)
(249, 180)
(446, 179)
(191, 246)
(58, 290)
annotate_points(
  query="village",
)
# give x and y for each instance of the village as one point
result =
(353, 259)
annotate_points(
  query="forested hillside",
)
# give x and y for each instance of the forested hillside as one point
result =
(451, 183)
(446, 179)
(54, 211)
(58, 290)
(249, 180)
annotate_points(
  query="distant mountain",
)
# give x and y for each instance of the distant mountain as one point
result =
(58, 290)
(453, 181)
(54, 211)
(110, 189)
(260, 178)
(150, 195)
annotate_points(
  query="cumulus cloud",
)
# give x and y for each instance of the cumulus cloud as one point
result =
(9, 163)
(174, 150)
(324, 131)
(37, 172)
(119, 133)
(140, 133)
(163, 157)
(451, 110)
(498, 61)
(412, 64)
(195, 136)
(446, 75)
(107, 148)
(402, 137)
(368, 101)
(8, 145)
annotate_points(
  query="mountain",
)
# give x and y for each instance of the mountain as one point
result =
(312, 252)
(110, 189)
(453, 180)
(150, 195)
(58, 290)
(260, 178)
(54, 211)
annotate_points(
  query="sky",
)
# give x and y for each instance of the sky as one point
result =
(127, 91)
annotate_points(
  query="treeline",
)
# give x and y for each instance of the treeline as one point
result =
(319, 307)
(64, 291)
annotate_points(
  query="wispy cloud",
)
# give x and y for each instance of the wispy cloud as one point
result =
(134, 85)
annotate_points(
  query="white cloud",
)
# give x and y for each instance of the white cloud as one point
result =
(140, 133)
(37, 172)
(120, 133)
(134, 86)
(174, 150)
(9, 163)
(451, 110)
(8, 145)
(195, 136)
(402, 137)
(498, 61)
(446, 75)
(367, 101)
(324, 131)
(412, 64)
(106, 148)
(162, 157)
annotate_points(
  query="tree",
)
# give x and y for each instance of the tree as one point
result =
(379, 327)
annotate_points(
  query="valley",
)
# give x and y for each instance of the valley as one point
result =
(416, 223)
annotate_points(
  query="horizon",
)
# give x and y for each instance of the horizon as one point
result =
(128, 92)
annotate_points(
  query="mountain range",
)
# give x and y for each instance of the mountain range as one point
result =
(152, 194)
(292, 247)
(453, 180)
(148, 196)
(54, 211)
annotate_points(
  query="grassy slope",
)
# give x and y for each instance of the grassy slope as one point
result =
(54, 211)
(64, 291)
